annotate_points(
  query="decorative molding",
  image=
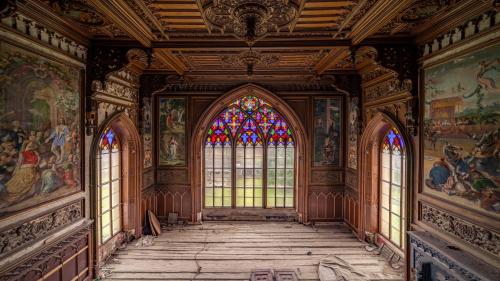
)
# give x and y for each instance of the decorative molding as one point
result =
(41, 264)
(475, 235)
(8, 8)
(30, 231)
(39, 33)
(470, 28)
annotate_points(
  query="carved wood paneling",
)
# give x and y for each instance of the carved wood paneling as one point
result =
(300, 106)
(67, 259)
(173, 176)
(325, 205)
(199, 105)
(174, 201)
(30, 231)
(351, 210)
(326, 177)
(477, 236)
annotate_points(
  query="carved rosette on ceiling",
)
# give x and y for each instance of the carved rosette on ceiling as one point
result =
(249, 18)
(251, 59)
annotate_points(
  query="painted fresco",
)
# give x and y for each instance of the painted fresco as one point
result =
(327, 131)
(462, 130)
(172, 142)
(39, 129)
(352, 143)
(146, 132)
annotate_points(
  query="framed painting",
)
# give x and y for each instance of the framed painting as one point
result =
(40, 135)
(172, 131)
(461, 129)
(352, 136)
(327, 131)
(146, 132)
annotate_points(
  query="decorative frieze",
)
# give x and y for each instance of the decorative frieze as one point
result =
(35, 30)
(477, 236)
(351, 180)
(177, 176)
(41, 264)
(460, 33)
(30, 231)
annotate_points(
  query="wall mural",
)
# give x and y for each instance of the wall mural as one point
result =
(146, 132)
(352, 138)
(462, 130)
(327, 131)
(39, 129)
(172, 135)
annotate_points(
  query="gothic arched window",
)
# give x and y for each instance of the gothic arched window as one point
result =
(249, 157)
(392, 187)
(108, 186)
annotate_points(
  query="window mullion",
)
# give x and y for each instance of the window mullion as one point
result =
(110, 184)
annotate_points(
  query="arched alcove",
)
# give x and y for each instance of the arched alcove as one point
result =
(200, 133)
(130, 186)
(369, 172)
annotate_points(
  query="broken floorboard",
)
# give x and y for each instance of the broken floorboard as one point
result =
(231, 250)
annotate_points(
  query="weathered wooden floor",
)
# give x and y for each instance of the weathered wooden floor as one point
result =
(231, 250)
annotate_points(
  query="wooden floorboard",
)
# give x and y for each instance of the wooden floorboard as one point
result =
(231, 250)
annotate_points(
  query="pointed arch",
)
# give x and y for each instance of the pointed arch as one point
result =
(131, 178)
(232, 101)
(371, 143)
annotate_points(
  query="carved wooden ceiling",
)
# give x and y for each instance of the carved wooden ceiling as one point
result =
(316, 42)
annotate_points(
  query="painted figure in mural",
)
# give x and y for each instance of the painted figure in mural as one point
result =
(59, 137)
(172, 149)
(25, 175)
(50, 178)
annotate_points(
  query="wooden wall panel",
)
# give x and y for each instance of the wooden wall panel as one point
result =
(325, 204)
(68, 259)
(174, 200)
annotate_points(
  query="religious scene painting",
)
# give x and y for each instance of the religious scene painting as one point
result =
(327, 131)
(352, 138)
(146, 133)
(462, 130)
(39, 129)
(172, 135)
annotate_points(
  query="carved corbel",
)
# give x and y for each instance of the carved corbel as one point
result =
(411, 117)
(8, 8)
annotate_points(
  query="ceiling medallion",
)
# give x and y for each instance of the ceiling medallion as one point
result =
(251, 59)
(250, 20)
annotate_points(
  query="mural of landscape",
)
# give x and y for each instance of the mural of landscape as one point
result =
(327, 131)
(39, 129)
(172, 135)
(146, 132)
(462, 130)
(352, 138)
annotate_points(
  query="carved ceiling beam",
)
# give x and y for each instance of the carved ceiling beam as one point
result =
(126, 19)
(349, 17)
(166, 57)
(262, 44)
(294, 22)
(380, 14)
(331, 59)
(147, 11)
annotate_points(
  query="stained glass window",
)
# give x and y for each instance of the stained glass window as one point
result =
(248, 131)
(392, 187)
(109, 186)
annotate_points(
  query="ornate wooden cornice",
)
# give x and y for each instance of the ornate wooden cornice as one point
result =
(126, 19)
(461, 12)
(376, 17)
